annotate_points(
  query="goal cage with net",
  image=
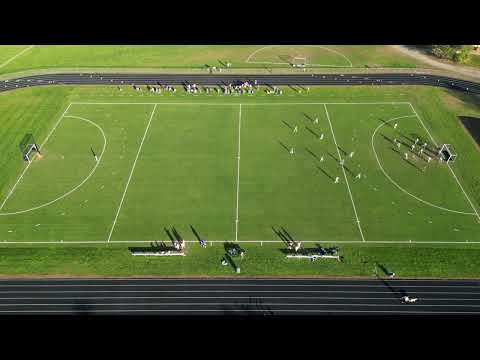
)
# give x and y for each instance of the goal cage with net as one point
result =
(448, 153)
(28, 147)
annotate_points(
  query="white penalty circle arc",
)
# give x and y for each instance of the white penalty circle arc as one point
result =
(79, 185)
(318, 46)
(398, 186)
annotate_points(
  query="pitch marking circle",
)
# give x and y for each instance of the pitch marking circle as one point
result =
(79, 185)
(398, 186)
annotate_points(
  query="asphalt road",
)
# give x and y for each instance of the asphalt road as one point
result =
(238, 297)
(212, 80)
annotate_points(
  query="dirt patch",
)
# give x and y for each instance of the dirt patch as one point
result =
(472, 125)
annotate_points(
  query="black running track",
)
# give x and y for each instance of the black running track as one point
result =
(239, 297)
(212, 80)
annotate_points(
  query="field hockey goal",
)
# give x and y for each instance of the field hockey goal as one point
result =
(28, 147)
(448, 153)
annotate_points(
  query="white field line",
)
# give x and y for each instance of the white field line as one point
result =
(79, 185)
(251, 104)
(131, 173)
(28, 165)
(241, 241)
(318, 46)
(344, 174)
(238, 171)
(453, 173)
(15, 56)
(396, 184)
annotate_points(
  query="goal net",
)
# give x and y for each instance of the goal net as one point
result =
(448, 153)
(28, 147)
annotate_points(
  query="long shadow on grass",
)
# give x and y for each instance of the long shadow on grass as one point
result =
(348, 170)
(293, 88)
(332, 156)
(195, 233)
(178, 237)
(344, 153)
(387, 138)
(312, 132)
(154, 247)
(384, 269)
(307, 116)
(287, 124)
(281, 235)
(385, 123)
(325, 173)
(170, 236)
(312, 153)
(284, 146)
(290, 237)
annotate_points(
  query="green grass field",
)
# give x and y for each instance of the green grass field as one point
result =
(171, 161)
(197, 56)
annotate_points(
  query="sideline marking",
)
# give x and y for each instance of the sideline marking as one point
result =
(15, 56)
(396, 184)
(238, 170)
(28, 165)
(248, 104)
(344, 174)
(243, 241)
(453, 173)
(131, 173)
(79, 185)
(282, 63)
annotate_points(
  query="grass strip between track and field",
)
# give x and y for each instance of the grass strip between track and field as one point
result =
(266, 260)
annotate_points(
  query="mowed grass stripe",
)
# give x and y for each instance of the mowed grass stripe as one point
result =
(87, 213)
(293, 193)
(185, 178)
(19, 115)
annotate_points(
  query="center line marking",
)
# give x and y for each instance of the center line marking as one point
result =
(131, 173)
(344, 174)
(238, 170)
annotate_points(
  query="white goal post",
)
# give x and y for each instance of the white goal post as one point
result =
(448, 153)
(30, 153)
(29, 147)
